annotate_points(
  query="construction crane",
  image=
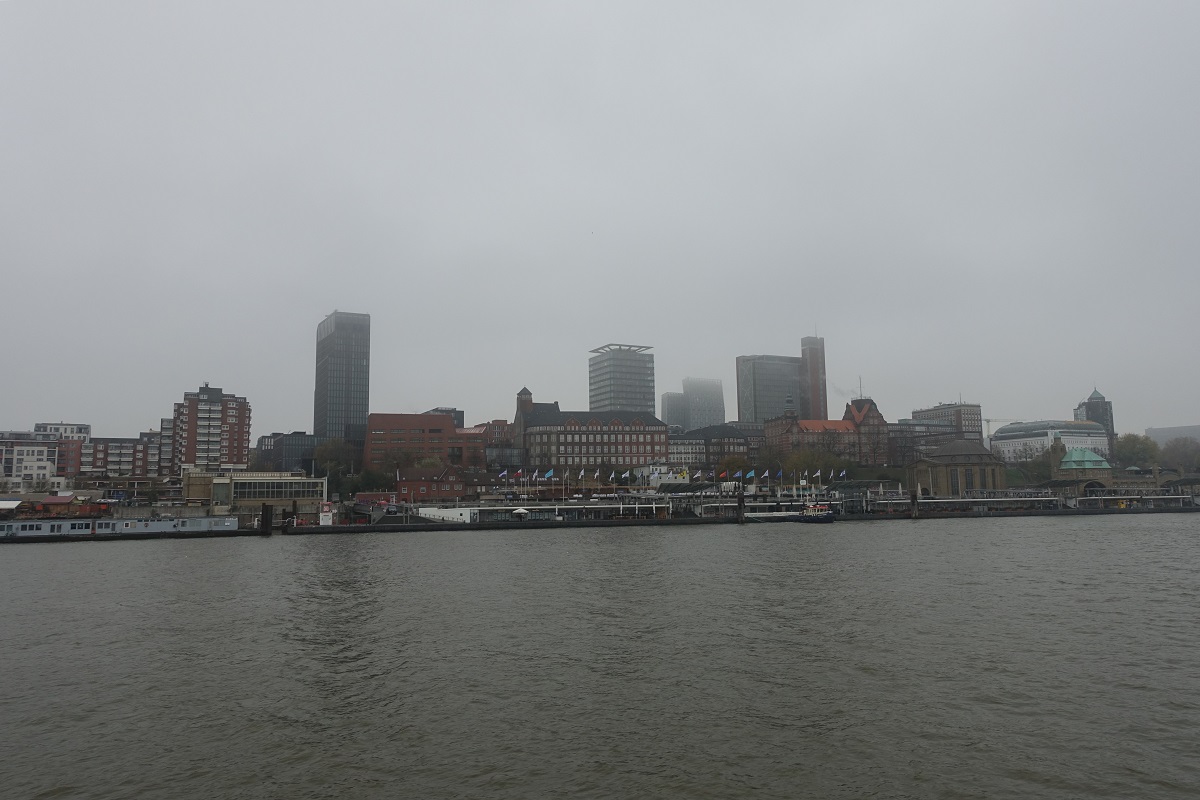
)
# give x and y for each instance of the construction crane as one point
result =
(995, 419)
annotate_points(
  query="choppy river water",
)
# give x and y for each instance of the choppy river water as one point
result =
(1007, 658)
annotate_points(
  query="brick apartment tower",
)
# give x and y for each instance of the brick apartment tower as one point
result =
(812, 350)
(211, 431)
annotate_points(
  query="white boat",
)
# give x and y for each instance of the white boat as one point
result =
(810, 513)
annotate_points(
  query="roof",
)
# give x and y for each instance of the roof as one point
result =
(961, 447)
(1081, 458)
(428, 474)
(548, 415)
(859, 407)
(961, 451)
(1019, 430)
(715, 432)
(822, 425)
(1095, 395)
(9, 505)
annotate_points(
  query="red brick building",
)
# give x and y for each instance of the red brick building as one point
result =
(210, 431)
(860, 436)
(393, 438)
(552, 438)
(435, 486)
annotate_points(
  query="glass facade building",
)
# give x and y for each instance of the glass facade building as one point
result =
(764, 383)
(343, 384)
(621, 378)
(705, 399)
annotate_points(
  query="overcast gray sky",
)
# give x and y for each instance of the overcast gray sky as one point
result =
(992, 200)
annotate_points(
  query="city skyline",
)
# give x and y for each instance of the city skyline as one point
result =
(990, 201)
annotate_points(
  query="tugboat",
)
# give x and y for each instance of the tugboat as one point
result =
(816, 513)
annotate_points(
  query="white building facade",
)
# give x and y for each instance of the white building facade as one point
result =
(1023, 441)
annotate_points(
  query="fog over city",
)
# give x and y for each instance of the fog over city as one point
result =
(992, 201)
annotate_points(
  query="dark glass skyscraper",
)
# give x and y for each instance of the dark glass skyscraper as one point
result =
(343, 386)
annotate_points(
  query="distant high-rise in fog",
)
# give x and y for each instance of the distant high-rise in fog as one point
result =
(673, 410)
(705, 398)
(341, 399)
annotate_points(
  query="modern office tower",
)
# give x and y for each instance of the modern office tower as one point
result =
(621, 378)
(343, 385)
(966, 418)
(705, 398)
(210, 431)
(675, 410)
(1097, 409)
(812, 350)
(764, 384)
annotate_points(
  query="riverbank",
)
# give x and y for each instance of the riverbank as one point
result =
(311, 530)
(619, 523)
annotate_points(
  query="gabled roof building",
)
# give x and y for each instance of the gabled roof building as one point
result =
(554, 438)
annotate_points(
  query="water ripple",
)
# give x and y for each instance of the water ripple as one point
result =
(980, 658)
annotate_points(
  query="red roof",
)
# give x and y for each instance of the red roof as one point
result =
(816, 425)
